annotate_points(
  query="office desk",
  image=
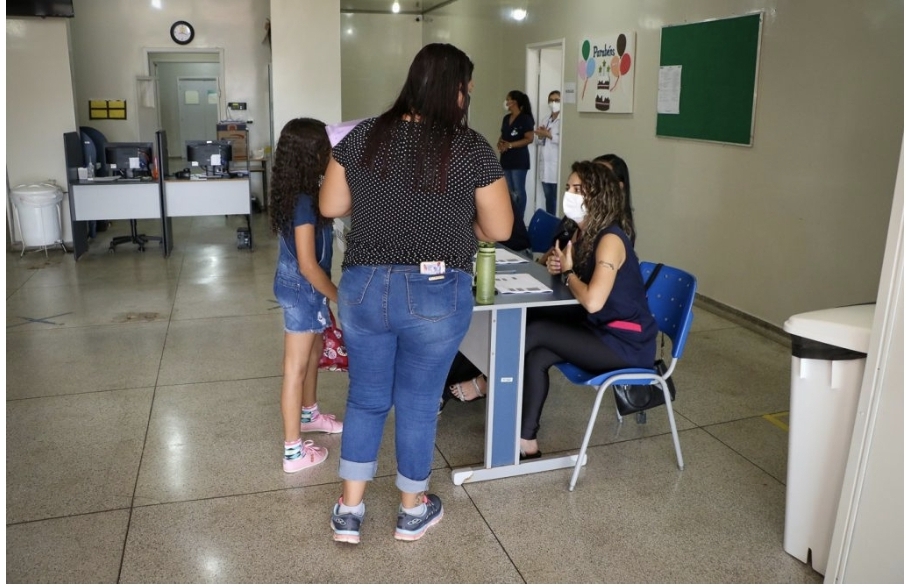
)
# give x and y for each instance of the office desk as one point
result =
(495, 343)
(113, 200)
(262, 169)
(208, 197)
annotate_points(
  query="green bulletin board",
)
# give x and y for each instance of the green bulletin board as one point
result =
(719, 60)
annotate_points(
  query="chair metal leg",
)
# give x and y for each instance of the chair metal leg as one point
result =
(591, 426)
(668, 403)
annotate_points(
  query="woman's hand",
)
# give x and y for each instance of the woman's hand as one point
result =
(560, 260)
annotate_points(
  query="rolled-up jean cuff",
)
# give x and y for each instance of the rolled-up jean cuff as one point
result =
(407, 485)
(351, 471)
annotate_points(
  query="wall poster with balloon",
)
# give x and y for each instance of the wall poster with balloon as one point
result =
(606, 70)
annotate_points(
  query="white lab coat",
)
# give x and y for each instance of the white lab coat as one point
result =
(550, 151)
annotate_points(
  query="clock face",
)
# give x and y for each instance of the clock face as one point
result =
(182, 32)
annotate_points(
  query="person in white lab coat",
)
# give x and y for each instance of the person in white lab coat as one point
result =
(549, 132)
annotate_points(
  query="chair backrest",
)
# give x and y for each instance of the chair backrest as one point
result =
(670, 298)
(100, 145)
(541, 230)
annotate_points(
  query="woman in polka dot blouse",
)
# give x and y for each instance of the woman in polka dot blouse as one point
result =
(421, 188)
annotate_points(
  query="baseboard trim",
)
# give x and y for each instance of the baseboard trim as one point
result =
(739, 317)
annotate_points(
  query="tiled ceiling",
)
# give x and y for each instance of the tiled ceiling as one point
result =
(406, 6)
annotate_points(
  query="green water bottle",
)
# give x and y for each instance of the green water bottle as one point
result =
(484, 273)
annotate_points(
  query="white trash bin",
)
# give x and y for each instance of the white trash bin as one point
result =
(828, 361)
(39, 214)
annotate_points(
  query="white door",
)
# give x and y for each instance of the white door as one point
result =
(199, 108)
(544, 74)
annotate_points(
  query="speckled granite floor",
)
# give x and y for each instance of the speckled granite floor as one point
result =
(143, 446)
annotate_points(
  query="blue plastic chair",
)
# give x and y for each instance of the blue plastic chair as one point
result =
(670, 298)
(541, 230)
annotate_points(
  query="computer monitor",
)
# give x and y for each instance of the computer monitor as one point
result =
(212, 156)
(131, 159)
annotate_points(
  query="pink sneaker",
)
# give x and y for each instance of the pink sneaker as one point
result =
(310, 456)
(323, 423)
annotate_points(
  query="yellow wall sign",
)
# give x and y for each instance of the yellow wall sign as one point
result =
(107, 109)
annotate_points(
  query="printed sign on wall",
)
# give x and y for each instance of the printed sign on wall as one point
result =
(606, 71)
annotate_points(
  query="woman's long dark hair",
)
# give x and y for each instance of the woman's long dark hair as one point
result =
(525, 105)
(438, 77)
(605, 205)
(303, 152)
(621, 170)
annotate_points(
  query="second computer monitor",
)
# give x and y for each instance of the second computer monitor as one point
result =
(213, 156)
(131, 159)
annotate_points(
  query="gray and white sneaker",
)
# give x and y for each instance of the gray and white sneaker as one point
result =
(410, 528)
(346, 527)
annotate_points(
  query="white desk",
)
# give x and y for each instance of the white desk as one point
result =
(112, 200)
(207, 197)
(495, 343)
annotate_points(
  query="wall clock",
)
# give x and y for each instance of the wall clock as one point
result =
(182, 32)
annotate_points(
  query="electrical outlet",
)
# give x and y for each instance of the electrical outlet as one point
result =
(236, 105)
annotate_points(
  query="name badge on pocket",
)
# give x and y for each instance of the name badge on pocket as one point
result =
(433, 268)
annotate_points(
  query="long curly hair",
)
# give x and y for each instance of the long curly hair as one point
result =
(605, 205)
(303, 152)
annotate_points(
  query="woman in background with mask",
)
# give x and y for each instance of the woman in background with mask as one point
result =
(516, 134)
(614, 328)
(549, 132)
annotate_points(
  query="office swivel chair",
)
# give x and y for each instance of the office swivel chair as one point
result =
(95, 145)
(99, 162)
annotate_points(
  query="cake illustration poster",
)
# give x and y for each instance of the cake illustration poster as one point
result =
(606, 72)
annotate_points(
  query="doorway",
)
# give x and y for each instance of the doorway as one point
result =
(199, 113)
(543, 74)
(188, 85)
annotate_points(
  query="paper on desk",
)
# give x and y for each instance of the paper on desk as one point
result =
(509, 283)
(505, 257)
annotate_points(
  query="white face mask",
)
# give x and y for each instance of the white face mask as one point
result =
(506, 107)
(555, 106)
(574, 207)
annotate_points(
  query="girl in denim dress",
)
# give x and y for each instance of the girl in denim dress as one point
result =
(302, 284)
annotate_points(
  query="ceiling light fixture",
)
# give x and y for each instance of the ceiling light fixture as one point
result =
(519, 14)
(395, 8)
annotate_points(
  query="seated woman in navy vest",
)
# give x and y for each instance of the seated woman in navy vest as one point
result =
(613, 328)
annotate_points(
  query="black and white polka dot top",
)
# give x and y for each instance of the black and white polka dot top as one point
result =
(393, 222)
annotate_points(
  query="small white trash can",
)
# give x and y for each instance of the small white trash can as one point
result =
(828, 360)
(38, 214)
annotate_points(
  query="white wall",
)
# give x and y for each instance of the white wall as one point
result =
(306, 62)
(867, 545)
(39, 104)
(794, 223)
(110, 39)
(377, 50)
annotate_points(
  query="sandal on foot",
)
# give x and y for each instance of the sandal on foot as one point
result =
(527, 457)
(456, 390)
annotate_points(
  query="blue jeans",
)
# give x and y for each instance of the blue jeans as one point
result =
(515, 181)
(402, 331)
(550, 197)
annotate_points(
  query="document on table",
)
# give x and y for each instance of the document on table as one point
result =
(510, 283)
(505, 257)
